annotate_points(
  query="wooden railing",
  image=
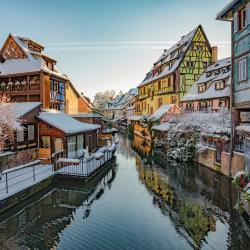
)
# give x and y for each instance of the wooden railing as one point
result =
(19, 87)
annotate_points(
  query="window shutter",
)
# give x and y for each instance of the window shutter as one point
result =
(248, 13)
(236, 22)
(31, 132)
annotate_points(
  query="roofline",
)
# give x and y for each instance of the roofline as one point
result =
(174, 72)
(68, 134)
(12, 36)
(31, 40)
(225, 10)
(38, 104)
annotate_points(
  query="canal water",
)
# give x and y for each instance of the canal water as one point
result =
(136, 202)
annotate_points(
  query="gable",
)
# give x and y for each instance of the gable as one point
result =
(11, 50)
(197, 57)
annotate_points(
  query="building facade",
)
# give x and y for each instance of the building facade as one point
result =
(238, 13)
(27, 74)
(212, 90)
(174, 73)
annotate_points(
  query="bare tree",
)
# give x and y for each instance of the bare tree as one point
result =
(9, 121)
(102, 97)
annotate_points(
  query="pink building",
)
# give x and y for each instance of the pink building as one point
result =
(212, 90)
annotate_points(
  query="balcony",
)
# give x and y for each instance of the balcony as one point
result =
(163, 91)
(19, 87)
(141, 97)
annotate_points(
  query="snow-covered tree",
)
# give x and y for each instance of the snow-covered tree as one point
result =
(9, 121)
(184, 131)
(102, 97)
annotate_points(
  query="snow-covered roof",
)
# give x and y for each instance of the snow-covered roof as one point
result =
(161, 111)
(87, 115)
(65, 123)
(121, 101)
(33, 63)
(22, 108)
(162, 127)
(134, 118)
(172, 56)
(220, 70)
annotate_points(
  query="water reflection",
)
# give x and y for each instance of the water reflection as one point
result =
(139, 203)
(199, 201)
(39, 223)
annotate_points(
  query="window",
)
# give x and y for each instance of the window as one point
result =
(173, 99)
(58, 145)
(45, 141)
(242, 19)
(31, 132)
(159, 85)
(219, 85)
(243, 69)
(159, 102)
(20, 135)
(151, 110)
(222, 103)
(201, 88)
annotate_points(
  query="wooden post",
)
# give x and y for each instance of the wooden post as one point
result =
(6, 183)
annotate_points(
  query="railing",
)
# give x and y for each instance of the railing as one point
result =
(86, 166)
(19, 177)
(20, 87)
(163, 91)
(16, 179)
(143, 96)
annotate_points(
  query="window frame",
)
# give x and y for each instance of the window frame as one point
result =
(241, 60)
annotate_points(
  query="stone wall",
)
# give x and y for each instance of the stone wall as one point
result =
(208, 158)
(15, 159)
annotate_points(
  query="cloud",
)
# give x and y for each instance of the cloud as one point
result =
(134, 45)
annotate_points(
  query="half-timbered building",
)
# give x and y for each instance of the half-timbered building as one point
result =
(212, 90)
(174, 73)
(238, 13)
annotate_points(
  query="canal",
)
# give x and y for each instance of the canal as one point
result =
(136, 202)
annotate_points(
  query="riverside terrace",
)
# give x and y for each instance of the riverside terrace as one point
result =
(18, 183)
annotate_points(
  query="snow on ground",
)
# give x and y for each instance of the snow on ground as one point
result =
(22, 178)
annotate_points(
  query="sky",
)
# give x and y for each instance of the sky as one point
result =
(111, 44)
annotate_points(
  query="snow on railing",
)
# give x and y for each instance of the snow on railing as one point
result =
(16, 179)
(87, 165)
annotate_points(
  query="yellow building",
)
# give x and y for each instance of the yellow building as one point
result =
(75, 102)
(175, 71)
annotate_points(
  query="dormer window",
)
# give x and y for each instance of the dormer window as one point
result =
(208, 74)
(219, 85)
(34, 48)
(217, 72)
(202, 88)
(50, 66)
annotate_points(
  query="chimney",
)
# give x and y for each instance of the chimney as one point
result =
(214, 54)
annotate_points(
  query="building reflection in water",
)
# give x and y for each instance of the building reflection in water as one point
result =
(195, 198)
(40, 223)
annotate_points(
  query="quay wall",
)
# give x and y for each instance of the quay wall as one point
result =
(207, 158)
